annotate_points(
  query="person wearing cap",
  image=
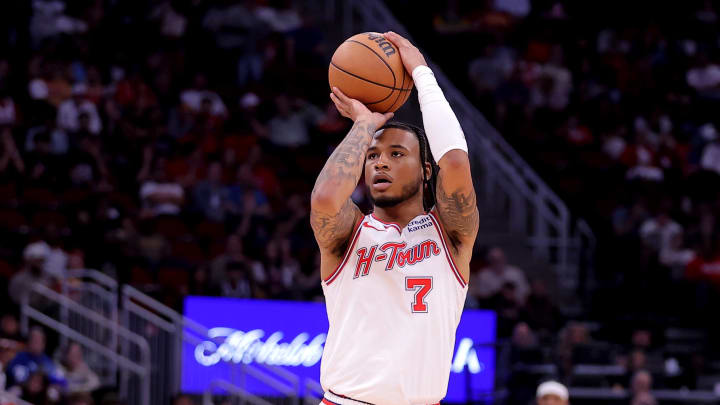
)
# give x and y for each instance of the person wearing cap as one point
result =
(35, 255)
(552, 393)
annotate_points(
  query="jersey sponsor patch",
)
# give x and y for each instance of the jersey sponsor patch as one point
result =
(419, 224)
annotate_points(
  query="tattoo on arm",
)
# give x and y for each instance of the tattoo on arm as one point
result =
(458, 211)
(332, 232)
(339, 177)
(345, 165)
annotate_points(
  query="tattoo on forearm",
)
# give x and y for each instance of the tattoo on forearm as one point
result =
(330, 229)
(458, 211)
(346, 162)
(341, 172)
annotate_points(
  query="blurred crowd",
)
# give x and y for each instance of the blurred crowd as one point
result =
(614, 104)
(123, 149)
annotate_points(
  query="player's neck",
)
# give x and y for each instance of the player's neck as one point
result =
(400, 214)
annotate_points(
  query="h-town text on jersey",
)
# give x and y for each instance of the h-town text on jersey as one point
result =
(395, 253)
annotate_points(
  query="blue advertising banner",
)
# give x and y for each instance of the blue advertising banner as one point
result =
(292, 334)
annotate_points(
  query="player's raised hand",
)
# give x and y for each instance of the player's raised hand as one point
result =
(410, 55)
(355, 110)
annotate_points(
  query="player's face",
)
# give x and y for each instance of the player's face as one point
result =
(551, 400)
(393, 171)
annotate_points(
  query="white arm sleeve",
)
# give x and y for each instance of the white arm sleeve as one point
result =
(441, 125)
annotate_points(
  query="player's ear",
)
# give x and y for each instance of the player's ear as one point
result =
(428, 170)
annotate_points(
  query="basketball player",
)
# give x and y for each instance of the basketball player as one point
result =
(395, 280)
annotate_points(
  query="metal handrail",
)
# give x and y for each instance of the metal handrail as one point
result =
(189, 331)
(84, 340)
(98, 277)
(141, 368)
(65, 301)
(99, 293)
(132, 292)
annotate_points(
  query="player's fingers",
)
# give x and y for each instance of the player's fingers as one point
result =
(338, 104)
(340, 95)
(388, 116)
(397, 39)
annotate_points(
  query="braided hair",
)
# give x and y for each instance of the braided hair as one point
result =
(425, 157)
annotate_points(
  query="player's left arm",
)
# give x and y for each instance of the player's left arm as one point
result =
(456, 203)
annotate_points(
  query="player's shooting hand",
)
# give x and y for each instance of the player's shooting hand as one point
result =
(410, 55)
(357, 111)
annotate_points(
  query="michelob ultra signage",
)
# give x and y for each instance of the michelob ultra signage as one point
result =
(292, 335)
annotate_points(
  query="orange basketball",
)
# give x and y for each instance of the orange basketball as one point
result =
(368, 68)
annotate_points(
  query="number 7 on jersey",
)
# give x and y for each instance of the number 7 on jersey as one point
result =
(422, 286)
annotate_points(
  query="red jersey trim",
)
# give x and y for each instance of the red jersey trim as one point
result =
(340, 266)
(439, 229)
(387, 223)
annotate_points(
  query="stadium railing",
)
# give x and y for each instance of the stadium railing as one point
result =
(47, 307)
(100, 294)
(173, 331)
(137, 342)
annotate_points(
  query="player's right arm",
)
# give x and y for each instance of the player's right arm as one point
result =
(333, 215)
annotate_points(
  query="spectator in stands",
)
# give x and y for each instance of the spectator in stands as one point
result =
(233, 253)
(710, 159)
(34, 362)
(540, 311)
(238, 282)
(706, 265)
(10, 328)
(36, 390)
(658, 232)
(71, 111)
(282, 270)
(642, 341)
(508, 309)
(211, 196)
(33, 271)
(552, 393)
(640, 389)
(525, 347)
(195, 97)
(11, 341)
(160, 195)
(575, 335)
(491, 279)
(676, 256)
(80, 378)
(58, 138)
(295, 117)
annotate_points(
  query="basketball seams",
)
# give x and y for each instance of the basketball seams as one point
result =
(360, 78)
(379, 57)
(367, 80)
(398, 94)
(357, 64)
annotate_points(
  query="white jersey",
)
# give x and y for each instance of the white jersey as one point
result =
(393, 304)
